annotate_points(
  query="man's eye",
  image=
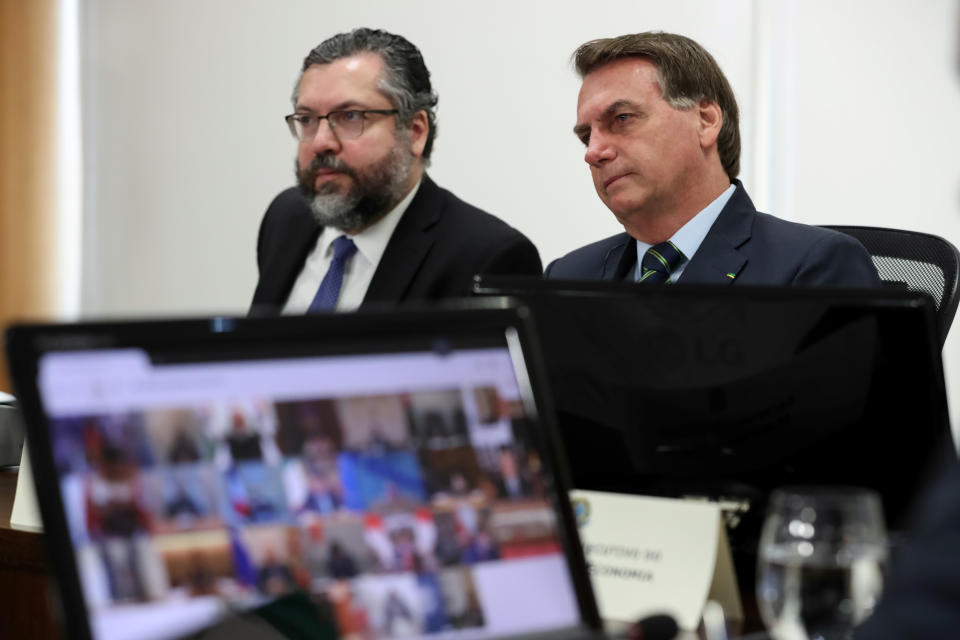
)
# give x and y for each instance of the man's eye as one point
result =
(304, 119)
(350, 116)
(585, 139)
(621, 118)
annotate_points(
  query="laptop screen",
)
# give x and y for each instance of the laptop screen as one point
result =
(402, 490)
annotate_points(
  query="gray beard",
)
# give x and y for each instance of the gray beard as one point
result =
(375, 190)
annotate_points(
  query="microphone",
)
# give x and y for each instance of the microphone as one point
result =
(655, 627)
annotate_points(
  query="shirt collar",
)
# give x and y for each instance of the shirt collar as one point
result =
(689, 237)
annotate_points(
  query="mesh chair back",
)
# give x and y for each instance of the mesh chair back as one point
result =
(917, 261)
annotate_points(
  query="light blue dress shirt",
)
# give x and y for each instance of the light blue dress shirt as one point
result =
(689, 237)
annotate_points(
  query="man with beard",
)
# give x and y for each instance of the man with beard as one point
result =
(367, 224)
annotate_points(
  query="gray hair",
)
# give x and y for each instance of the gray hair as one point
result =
(405, 80)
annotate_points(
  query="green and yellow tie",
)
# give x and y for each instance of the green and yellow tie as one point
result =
(659, 262)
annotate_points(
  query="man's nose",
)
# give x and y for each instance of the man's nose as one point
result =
(325, 139)
(599, 150)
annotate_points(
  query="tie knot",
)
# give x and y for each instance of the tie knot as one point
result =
(343, 248)
(659, 262)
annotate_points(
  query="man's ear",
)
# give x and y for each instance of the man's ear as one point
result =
(419, 130)
(711, 119)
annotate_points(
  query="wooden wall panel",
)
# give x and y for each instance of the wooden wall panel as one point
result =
(28, 129)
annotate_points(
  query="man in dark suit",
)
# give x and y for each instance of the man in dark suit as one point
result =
(366, 224)
(660, 125)
(921, 597)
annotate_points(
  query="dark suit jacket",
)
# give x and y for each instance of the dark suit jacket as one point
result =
(756, 248)
(440, 243)
(921, 596)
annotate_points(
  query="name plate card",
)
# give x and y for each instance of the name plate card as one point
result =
(655, 555)
(25, 513)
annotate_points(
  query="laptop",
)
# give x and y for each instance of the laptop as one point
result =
(373, 474)
(728, 392)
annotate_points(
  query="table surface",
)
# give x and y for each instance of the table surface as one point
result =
(18, 547)
(26, 591)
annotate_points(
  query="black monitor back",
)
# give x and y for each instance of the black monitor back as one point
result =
(727, 392)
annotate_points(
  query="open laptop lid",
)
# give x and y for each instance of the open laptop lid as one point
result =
(395, 470)
(727, 392)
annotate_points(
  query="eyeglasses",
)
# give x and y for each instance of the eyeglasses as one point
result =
(346, 125)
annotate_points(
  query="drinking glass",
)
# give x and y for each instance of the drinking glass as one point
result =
(821, 560)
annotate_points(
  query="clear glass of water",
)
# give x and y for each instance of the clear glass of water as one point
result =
(821, 560)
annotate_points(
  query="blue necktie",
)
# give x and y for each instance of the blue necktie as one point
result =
(329, 291)
(659, 262)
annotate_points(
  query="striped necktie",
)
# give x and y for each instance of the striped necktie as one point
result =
(329, 291)
(659, 262)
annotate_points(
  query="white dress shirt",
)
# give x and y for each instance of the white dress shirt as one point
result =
(359, 270)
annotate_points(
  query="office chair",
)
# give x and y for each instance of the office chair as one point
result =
(917, 261)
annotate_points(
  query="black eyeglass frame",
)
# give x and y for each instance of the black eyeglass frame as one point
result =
(292, 120)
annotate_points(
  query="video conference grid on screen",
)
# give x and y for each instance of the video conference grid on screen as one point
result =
(414, 507)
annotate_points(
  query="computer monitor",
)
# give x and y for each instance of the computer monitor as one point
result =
(368, 475)
(728, 392)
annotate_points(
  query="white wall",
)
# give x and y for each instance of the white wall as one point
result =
(185, 142)
(848, 116)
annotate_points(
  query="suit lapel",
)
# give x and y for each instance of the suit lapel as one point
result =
(620, 263)
(408, 246)
(280, 274)
(719, 260)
